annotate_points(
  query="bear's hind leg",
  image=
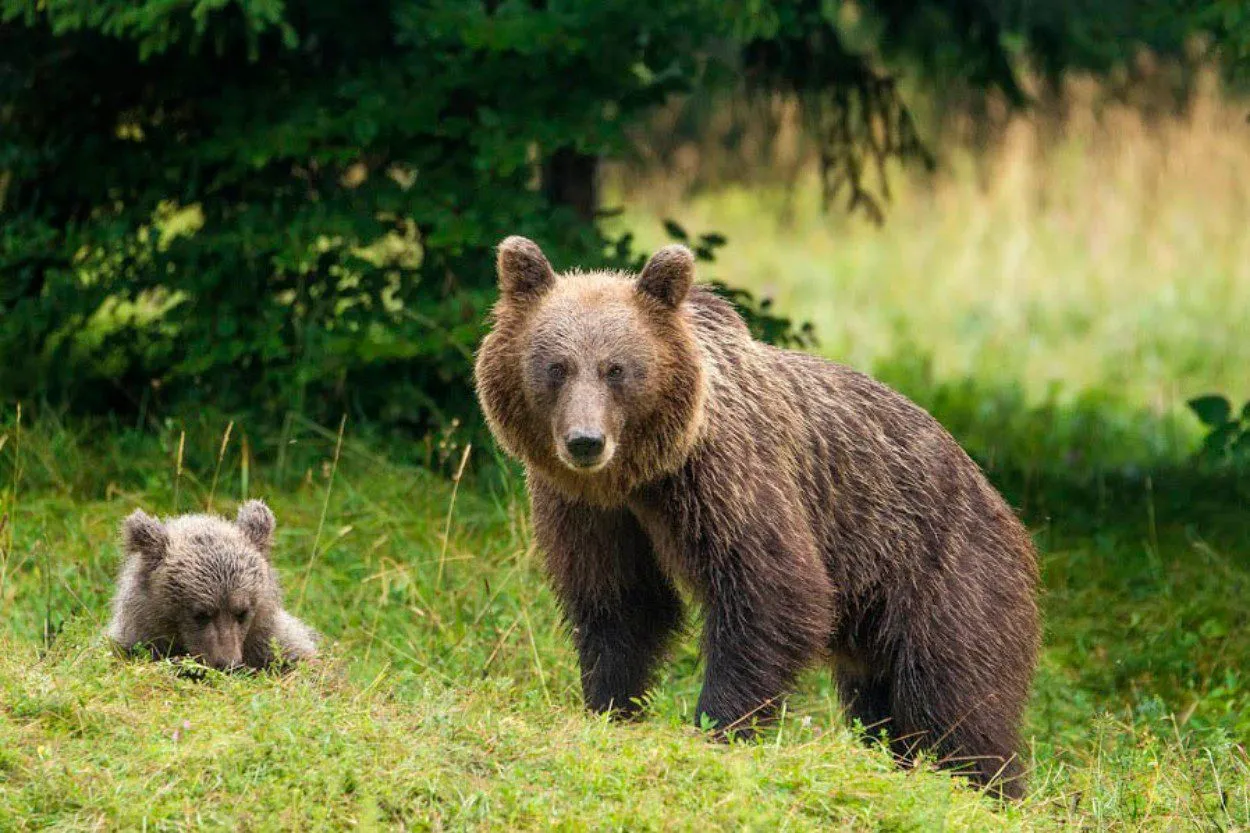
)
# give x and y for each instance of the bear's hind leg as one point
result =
(969, 728)
(864, 697)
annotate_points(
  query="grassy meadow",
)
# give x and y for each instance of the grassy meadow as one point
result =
(1053, 301)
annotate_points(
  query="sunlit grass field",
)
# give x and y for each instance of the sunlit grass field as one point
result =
(1053, 304)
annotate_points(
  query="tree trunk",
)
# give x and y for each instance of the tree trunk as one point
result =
(570, 178)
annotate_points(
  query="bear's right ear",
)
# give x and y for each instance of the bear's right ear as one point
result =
(668, 275)
(146, 537)
(256, 521)
(523, 269)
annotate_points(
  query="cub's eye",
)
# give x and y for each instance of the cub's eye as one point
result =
(203, 618)
(240, 615)
(556, 371)
(614, 373)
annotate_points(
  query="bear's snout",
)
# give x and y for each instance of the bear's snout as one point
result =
(584, 427)
(585, 448)
(219, 644)
(226, 663)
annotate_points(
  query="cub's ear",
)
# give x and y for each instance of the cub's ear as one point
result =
(668, 275)
(256, 522)
(523, 268)
(146, 537)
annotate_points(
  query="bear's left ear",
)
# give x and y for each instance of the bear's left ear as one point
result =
(256, 522)
(668, 275)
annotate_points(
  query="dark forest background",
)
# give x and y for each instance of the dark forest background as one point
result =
(290, 208)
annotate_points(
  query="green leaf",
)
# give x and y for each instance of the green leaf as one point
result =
(1213, 410)
(1216, 445)
(675, 231)
(1245, 412)
(1241, 446)
(1213, 629)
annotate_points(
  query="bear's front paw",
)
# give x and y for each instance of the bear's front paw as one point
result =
(629, 710)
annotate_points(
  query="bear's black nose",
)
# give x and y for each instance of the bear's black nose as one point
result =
(584, 447)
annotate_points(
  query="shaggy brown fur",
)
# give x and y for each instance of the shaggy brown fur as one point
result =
(812, 511)
(200, 586)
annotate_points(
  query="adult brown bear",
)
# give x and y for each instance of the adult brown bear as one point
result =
(813, 512)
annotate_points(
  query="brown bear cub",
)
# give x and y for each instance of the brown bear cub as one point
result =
(812, 511)
(203, 587)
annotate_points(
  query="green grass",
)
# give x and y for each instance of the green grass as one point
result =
(455, 703)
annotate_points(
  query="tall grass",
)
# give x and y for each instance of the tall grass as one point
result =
(1086, 248)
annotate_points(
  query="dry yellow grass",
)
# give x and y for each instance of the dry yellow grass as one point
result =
(1097, 251)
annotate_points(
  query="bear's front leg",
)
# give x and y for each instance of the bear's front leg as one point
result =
(620, 643)
(621, 606)
(768, 615)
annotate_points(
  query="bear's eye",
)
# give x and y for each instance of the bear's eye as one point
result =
(203, 617)
(240, 615)
(614, 373)
(556, 371)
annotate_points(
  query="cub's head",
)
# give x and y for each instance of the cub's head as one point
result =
(593, 379)
(209, 578)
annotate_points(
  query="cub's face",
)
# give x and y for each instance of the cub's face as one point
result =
(209, 578)
(213, 629)
(589, 367)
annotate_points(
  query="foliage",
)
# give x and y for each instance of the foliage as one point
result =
(1228, 22)
(294, 207)
(1229, 434)
(861, 73)
(1073, 33)
(1097, 259)
(861, 122)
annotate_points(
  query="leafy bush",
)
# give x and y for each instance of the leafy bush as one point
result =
(1229, 436)
(295, 209)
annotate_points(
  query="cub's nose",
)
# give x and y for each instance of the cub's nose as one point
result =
(585, 447)
(226, 663)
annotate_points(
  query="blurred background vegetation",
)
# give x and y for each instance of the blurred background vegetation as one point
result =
(281, 210)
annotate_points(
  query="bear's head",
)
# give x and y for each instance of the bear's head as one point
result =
(209, 579)
(593, 379)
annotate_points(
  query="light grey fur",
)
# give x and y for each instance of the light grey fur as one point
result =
(202, 586)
